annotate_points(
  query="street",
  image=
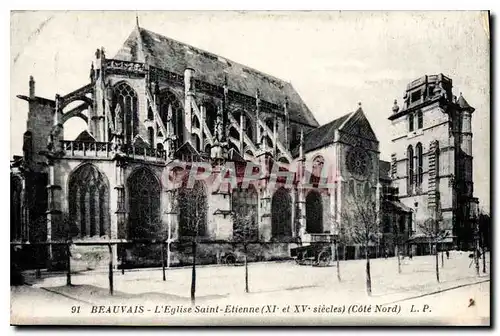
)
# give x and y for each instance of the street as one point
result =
(279, 284)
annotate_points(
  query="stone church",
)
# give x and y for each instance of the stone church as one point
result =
(160, 103)
(431, 165)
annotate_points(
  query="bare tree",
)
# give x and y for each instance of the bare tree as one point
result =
(362, 226)
(192, 207)
(245, 231)
(485, 234)
(430, 228)
(397, 238)
(340, 238)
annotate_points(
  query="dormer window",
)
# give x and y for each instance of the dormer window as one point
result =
(415, 96)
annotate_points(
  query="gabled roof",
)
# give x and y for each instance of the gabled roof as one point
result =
(85, 136)
(168, 54)
(325, 135)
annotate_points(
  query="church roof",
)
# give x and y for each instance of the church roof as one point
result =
(354, 123)
(323, 135)
(174, 56)
(464, 105)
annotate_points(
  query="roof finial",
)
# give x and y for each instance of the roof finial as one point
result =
(137, 20)
(359, 104)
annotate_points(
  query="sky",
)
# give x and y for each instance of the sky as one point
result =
(333, 59)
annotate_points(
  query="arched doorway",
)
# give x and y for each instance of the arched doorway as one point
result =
(281, 210)
(192, 211)
(89, 202)
(314, 212)
(144, 205)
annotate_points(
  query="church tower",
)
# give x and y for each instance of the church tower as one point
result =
(432, 156)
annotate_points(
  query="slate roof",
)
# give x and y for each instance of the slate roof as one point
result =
(464, 105)
(174, 56)
(323, 135)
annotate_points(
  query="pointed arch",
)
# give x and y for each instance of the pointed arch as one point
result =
(419, 156)
(281, 211)
(167, 100)
(144, 194)
(125, 97)
(210, 116)
(192, 212)
(89, 201)
(410, 169)
(314, 212)
(244, 205)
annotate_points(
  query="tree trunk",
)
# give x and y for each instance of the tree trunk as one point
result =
(484, 259)
(442, 259)
(246, 268)
(338, 261)
(193, 275)
(476, 255)
(437, 263)
(368, 275)
(345, 254)
(163, 262)
(399, 259)
(68, 262)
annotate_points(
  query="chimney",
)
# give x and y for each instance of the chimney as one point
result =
(32, 88)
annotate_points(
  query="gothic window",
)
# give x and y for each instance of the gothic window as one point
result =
(420, 164)
(281, 211)
(410, 169)
(192, 202)
(294, 138)
(314, 212)
(420, 120)
(125, 98)
(367, 191)
(89, 201)
(411, 125)
(210, 116)
(151, 137)
(244, 205)
(317, 165)
(169, 101)
(144, 205)
(352, 188)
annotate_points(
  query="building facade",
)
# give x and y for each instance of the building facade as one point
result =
(156, 111)
(431, 163)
